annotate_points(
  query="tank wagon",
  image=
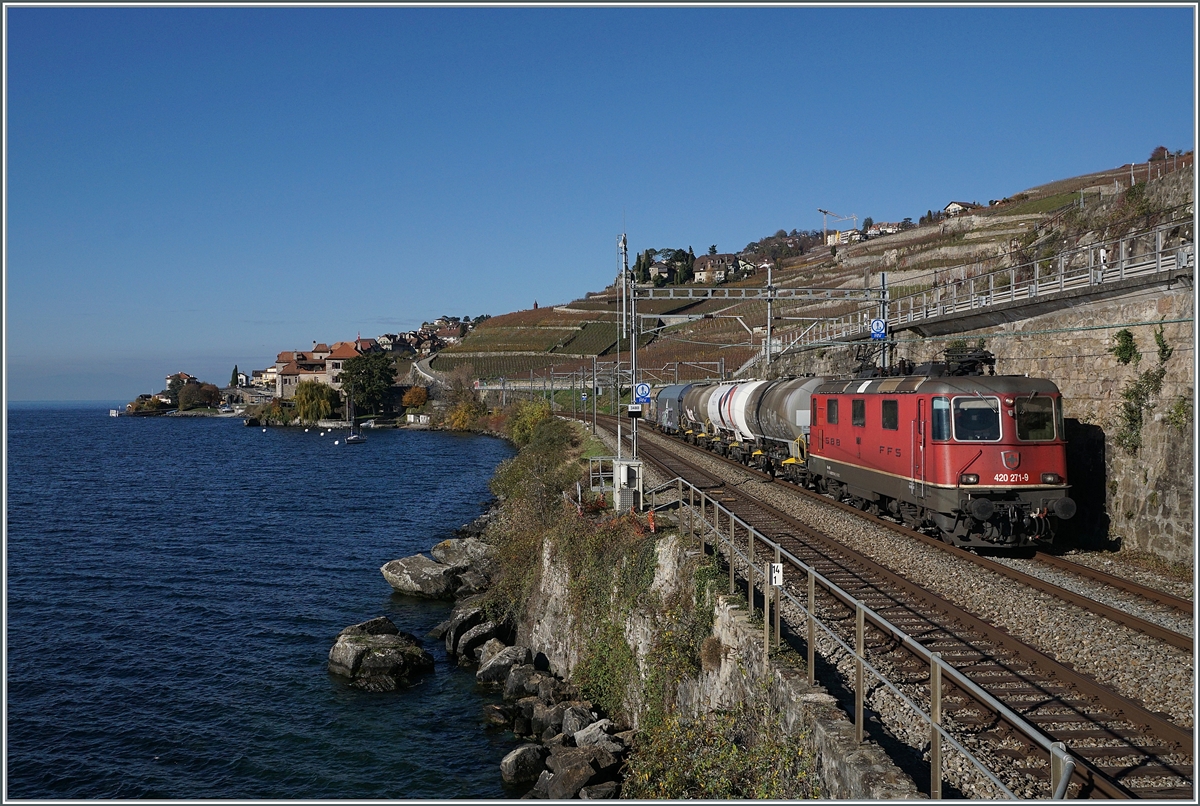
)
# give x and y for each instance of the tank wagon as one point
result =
(980, 459)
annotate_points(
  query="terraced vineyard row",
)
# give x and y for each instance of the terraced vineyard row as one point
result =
(595, 338)
(514, 339)
(499, 366)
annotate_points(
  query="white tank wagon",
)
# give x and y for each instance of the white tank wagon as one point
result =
(779, 416)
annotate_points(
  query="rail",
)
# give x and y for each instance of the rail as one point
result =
(1141, 254)
(1062, 765)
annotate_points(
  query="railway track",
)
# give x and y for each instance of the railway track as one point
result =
(1125, 750)
(1174, 603)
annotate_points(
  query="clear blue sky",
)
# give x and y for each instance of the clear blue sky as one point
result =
(193, 188)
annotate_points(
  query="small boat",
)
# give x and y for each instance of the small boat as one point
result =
(354, 437)
(114, 413)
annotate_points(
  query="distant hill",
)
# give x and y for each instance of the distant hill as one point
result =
(1030, 224)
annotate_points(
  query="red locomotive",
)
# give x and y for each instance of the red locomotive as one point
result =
(980, 458)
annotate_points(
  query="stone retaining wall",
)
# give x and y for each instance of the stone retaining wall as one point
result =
(847, 769)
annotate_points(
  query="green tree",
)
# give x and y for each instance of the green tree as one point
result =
(712, 250)
(173, 387)
(195, 395)
(868, 222)
(233, 377)
(315, 401)
(367, 379)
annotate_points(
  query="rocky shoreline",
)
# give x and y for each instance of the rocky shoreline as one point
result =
(567, 748)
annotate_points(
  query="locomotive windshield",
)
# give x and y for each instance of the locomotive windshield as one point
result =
(1035, 418)
(941, 418)
(976, 418)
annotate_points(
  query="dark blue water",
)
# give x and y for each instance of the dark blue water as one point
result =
(174, 588)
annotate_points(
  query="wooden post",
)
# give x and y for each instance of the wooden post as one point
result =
(935, 717)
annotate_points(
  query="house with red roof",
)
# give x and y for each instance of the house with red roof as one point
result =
(322, 364)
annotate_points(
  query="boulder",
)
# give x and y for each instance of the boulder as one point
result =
(496, 670)
(547, 718)
(576, 718)
(523, 764)
(465, 616)
(376, 656)
(376, 626)
(563, 757)
(597, 735)
(420, 576)
(471, 582)
(464, 552)
(514, 683)
(472, 638)
(476, 527)
(523, 716)
(566, 784)
(498, 714)
(541, 787)
(609, 790)
(552, 690)
(489, 649)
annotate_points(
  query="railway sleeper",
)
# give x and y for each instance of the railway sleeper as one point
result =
(1150, 770)
(1070, 735)
(1121, 751)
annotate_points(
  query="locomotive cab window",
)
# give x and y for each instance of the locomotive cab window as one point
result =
(858, 412)
(1035, 418)
(891, 415)
(831, 411)
(940, 422)
(976, 419)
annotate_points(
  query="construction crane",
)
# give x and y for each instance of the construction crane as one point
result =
(836, 218)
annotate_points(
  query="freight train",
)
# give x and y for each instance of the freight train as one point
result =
(977, 459)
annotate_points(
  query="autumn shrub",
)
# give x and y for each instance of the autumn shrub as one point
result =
(415, 397)
(465, 415)
(523, 417)
(742, 753)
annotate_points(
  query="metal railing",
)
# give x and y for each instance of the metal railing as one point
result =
(698, 507)
(1139, 254)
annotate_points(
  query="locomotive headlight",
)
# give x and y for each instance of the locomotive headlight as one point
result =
(1051, 478)
(968, 478)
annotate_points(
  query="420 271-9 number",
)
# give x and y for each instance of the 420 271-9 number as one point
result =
(1011, 477)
